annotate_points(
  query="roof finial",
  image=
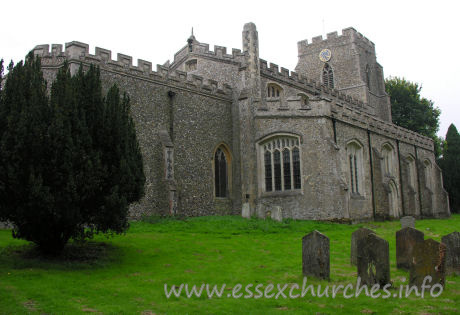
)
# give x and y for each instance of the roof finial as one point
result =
(192, 30)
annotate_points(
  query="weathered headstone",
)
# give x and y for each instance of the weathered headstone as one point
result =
(277, 214)
(246, 211)
(407, 221)
(315, 255)
(429, 260)
(406, 239)
(373, 260)
(452, 242)
(355, 236)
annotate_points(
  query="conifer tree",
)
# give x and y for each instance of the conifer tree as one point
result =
(70, 164)
(450, 164)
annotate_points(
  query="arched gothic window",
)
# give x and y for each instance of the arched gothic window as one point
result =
(388, 159)
(393, 200)
(220, 173)
(281, 164)
(274, 90)
(355, 165)
(328, 76)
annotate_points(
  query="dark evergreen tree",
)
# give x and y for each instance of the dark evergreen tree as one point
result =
(450, 164)
(67, 169)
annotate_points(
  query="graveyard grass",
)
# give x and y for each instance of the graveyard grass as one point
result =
(126, 273)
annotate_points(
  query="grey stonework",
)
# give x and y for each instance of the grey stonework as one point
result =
(452, 242)
(208, 99)
(315, 255)
(407, 221)
(406, 240)
(277, 214)
(373, 260)
(246, 211)
(355, 237)
(429, 260)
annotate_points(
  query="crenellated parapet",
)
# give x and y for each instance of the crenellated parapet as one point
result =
(344, 107)
(302, 82)
(79, 52)
(349, 35)
(343, 112)
(202, 49)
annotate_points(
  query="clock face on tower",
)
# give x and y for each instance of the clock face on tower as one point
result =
(325, 55)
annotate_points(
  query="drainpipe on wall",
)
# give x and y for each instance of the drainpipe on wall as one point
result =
(372, 171)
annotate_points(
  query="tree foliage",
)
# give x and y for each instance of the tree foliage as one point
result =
(412, 111)
(70, 163)
(450, 164)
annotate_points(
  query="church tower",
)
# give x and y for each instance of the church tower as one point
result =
(348, 64)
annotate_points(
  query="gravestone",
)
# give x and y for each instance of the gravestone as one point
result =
(373, 260)
(315, 255)
(246, 211)
(452, 242)
(277, 214)
(429, 260)
(406, 239)
(355, 236)
(407, 221)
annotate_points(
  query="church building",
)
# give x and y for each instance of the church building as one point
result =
(229, 133)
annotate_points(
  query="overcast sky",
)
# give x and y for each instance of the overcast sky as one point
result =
(418, 40)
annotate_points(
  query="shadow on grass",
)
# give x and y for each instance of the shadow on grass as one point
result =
(75, 255)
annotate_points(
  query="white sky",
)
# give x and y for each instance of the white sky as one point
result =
(418, 40)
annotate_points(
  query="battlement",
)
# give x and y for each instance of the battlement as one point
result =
(219, 52)
(315, 87)
(343, 106)
(348, 35)
(77, 51)
(343, 112)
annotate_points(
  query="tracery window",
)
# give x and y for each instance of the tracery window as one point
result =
(220, 173)
(328, 76)
(355, 154)
(281, 164)
(273, 91)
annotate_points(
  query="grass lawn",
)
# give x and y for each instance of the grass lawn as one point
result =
(127, 273)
